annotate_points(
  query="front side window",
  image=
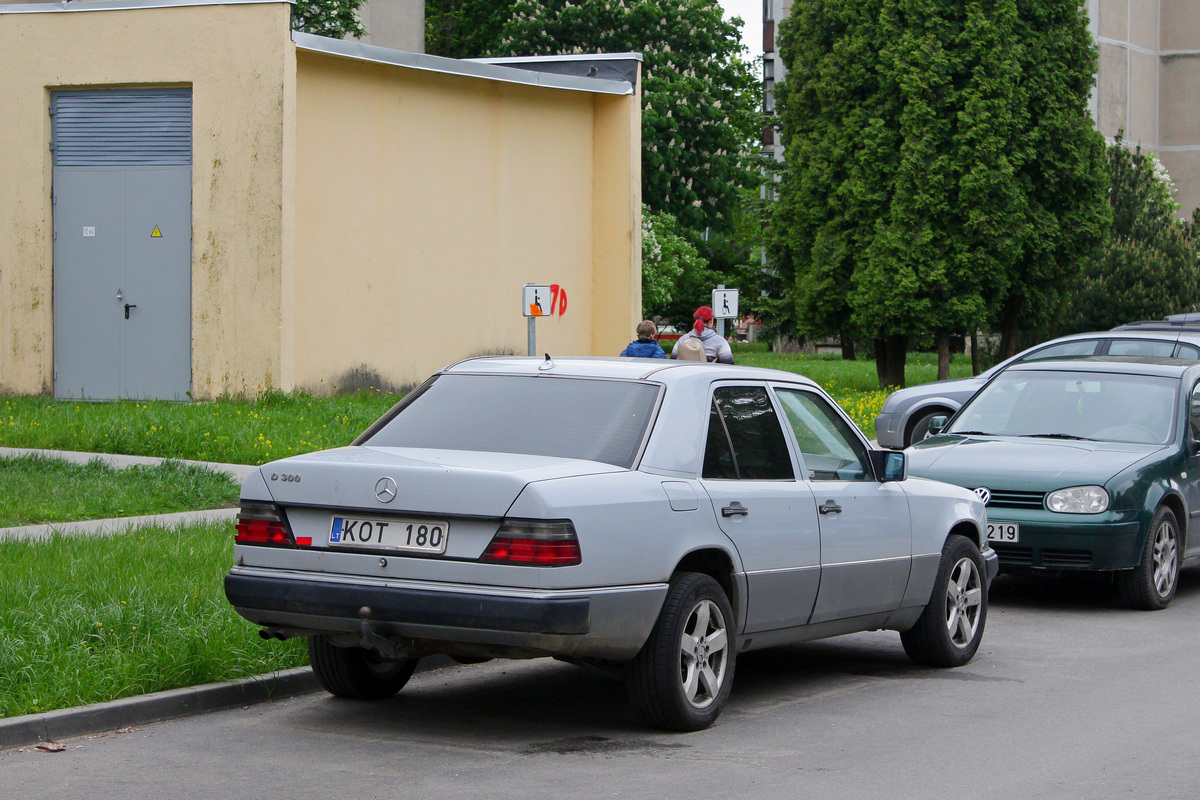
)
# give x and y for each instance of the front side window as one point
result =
(1194, 413)
(597, 420)
(831, 451)
(745, 441)
(1084, 347)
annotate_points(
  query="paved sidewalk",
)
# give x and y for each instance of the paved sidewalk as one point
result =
(102, 527)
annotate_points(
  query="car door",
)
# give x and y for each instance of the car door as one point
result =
(1192, 483)
(866, 535)
(750, 476)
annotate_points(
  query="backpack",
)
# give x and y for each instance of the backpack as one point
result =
(691, 349)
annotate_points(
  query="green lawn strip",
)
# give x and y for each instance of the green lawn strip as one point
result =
(90, 619)
(36, 489)
(274, 425)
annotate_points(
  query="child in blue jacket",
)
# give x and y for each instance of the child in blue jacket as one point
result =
(645, 346)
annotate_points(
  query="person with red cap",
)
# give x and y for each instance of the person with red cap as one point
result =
(715, 346)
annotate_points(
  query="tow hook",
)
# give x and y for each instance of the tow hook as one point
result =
(373, 641)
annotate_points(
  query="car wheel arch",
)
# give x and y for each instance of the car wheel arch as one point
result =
(933, 408)
(969, 531)
(1174, 502)
(718, 565)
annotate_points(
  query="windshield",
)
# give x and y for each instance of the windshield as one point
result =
(597, 420)
(1073, 405)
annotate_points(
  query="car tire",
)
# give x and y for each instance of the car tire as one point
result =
(949, 630)
(918, 429)
(1151, 584)
(355, 673)
(682, 676)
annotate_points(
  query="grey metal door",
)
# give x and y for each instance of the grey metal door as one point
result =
(122, 243)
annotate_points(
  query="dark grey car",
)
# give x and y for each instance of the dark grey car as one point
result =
(904, 418)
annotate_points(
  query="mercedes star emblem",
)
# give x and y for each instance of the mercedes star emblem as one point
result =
(385, 490)
(984, 494)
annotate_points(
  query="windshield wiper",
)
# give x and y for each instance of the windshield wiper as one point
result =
(1056, 436)
(969, 433)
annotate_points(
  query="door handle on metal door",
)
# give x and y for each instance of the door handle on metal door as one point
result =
(127, 307)
(829, 507)
(734, 509)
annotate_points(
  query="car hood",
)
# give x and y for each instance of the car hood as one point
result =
(429, 481)
(1022, 464)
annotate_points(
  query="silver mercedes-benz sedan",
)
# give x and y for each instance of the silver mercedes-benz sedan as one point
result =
(650, 519)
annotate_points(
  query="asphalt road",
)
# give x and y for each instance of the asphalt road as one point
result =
(1070, 696)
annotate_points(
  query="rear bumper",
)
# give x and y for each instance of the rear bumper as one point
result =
(258, 598)
(599, 622)
(889, 431)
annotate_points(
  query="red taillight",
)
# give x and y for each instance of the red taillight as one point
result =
(534, 543)
(263, 523)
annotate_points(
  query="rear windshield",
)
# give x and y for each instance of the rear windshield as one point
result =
(597, 420)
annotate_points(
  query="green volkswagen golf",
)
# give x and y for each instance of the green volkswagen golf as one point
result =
(1083, 464)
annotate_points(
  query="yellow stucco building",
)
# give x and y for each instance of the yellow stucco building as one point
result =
(196, 200)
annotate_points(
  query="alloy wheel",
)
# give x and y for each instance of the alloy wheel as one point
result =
(964, 596)
(703, 654)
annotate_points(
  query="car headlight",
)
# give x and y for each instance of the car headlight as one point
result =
(1078, 500)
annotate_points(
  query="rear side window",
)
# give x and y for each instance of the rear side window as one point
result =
(597, 420)
(1141, 347)
(745, 441)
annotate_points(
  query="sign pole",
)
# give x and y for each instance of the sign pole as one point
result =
(532, 336)
(720, 320)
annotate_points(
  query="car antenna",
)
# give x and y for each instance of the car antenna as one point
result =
(547, 364)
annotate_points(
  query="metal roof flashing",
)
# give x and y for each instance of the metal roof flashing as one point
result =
(453, 66)
(67, 6)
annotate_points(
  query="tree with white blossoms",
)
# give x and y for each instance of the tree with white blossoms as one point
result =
(700, 114)
(668, 260)
(336, 18)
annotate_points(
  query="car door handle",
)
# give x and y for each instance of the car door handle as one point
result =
(127, 307)
(734, 509)
(829, 507)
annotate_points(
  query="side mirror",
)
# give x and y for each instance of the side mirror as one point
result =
(889, 465)
(937, 425)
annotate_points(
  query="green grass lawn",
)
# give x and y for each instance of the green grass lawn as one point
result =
(87, 619)
(255, 431)
(35, 489)
(276, 425)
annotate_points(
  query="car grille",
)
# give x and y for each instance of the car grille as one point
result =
(1016, 556)
(1002, 498)
(1066, 558)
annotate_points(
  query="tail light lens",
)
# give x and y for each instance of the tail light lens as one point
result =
(534, 543)
(264, 523)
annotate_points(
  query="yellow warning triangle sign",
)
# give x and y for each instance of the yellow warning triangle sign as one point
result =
(157, 233)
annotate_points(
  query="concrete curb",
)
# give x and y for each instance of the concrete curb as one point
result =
(107, 527)
(66, 723)
(235, 471)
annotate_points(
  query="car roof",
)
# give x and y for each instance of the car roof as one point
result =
(1135, 365)
(1175, 322)
(659, 370)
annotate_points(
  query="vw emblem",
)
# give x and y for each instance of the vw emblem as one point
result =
(385, 490)
(984, 494)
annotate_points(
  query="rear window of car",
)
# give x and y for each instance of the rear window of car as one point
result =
(597, 420)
